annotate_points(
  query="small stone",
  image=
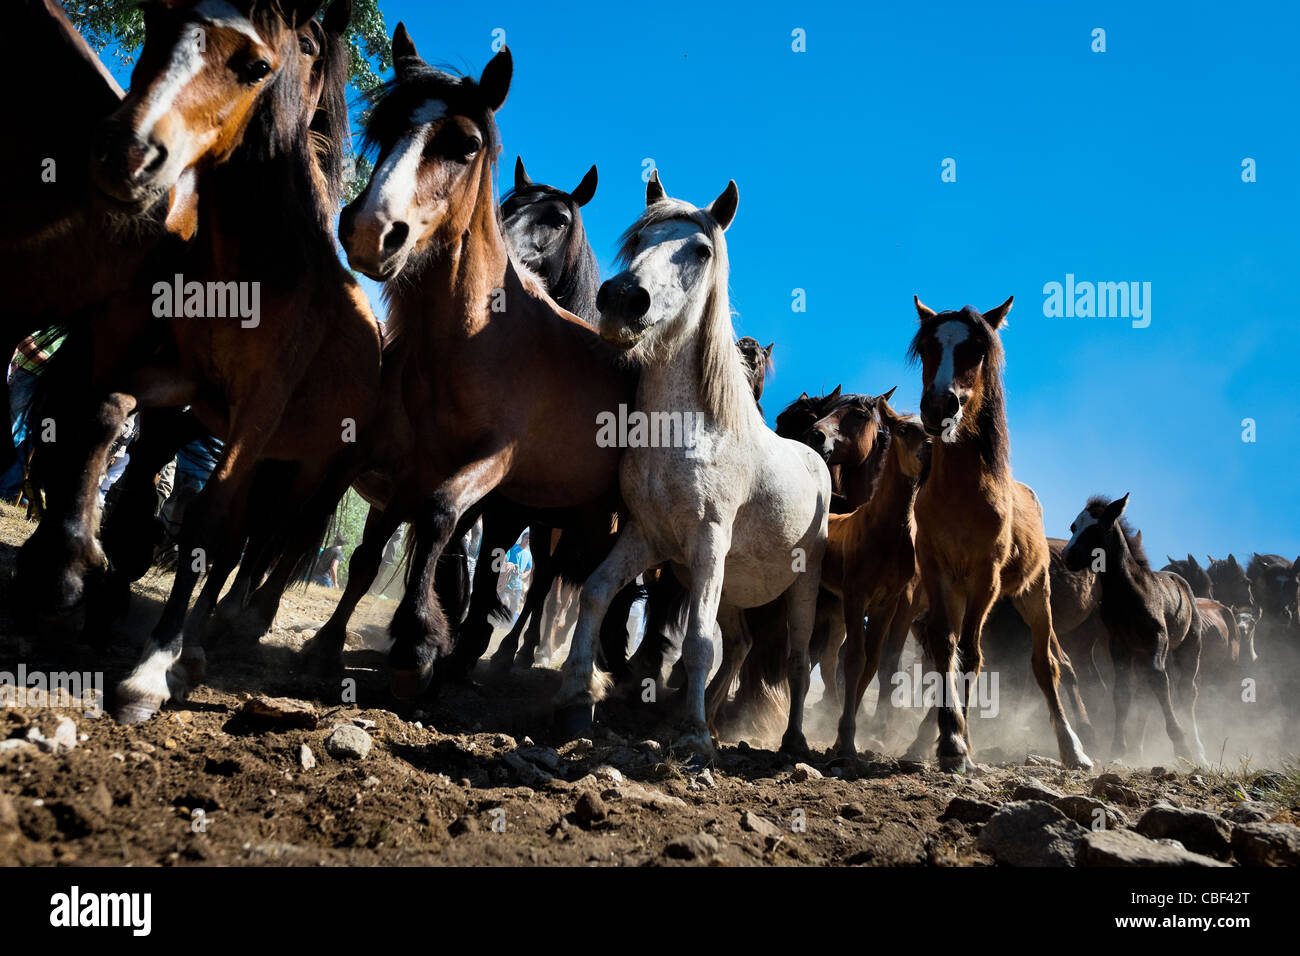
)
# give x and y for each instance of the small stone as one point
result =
(1086, 811)
(590, 808)
(697, 846)
(1266, 844)
(966, 810)
(580, 747)
(284, 711)
(348, 742)
(306, 759)
(1252, 812)
(1036, 791)
(363, 722)
(652, 746)
(65, 734)
(851, 811)
(18, 746)
(143, 746)
(803, 771)
(546, 757)
(1038, 760)
(526, 742)
(169, 744)
(753, 823)
(609, 775)
(705, 779)
(1126, 848)
(1031, 833)
(505, 741)
(370, 782)
(529, 774)
(1198, 830)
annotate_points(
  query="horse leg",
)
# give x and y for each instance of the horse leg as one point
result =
(855, 669)
(736, 642)
(542, 582)
(900, 625)
(323, 652)
(211, 536)
(947, 606)
(829, 630)
(1073, 691)
(1122, 661)
(502, 525)
(580, 687)
(1034, 605)
(1187, 657)
(801, 613)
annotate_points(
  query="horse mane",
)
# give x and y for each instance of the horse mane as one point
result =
(330, 130)
(1097, 504)
(723, 389)
(392, 102)
(576, 287)
(988, 426)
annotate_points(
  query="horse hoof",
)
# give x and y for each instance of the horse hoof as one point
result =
(794, 746)
(698, 744)
(135, 711)
(410, 683)
(955, 763)
(573, 721)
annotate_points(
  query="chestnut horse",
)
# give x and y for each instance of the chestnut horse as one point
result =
(428, 226)
(870, 562)
(979, 532)
(1151, 617)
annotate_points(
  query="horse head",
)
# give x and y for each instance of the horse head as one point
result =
(435, 139)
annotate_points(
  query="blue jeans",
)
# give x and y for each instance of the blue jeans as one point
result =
(22, 385)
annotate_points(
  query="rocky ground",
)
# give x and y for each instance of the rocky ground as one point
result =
(258, 769)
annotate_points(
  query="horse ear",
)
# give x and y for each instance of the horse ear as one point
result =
(923, 310)
(888, 416)
(337, 17)
(835, 394)
(888, 395)
(1232, 562)
(1295, 568)
(521, 175)
(768, 352)
(997, 315)
(723, 208)
(654, 189)
(1192, 561)
(1111, 513)
(586, 189)
(494, 84)
(301, 11)
(803, 397)
(403, 47)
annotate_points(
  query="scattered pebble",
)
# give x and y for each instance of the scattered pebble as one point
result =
(348, 742)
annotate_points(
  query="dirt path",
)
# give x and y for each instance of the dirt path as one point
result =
(457, 781)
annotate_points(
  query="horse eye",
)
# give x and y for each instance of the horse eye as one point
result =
(256, 71)
(703, 253)
(305, 46)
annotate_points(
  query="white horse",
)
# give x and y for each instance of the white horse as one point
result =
(738, 512)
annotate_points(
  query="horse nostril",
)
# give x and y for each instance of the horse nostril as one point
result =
(395, 237)
(638, 302)
(159, 157)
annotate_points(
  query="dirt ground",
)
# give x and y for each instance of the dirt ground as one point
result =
(456, 780)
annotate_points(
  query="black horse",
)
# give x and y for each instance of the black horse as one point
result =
(1151, 617)
(1190, 570)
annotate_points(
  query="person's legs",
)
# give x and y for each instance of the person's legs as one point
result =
(22, 385)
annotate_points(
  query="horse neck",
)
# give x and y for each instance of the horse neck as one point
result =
(577, 285)
(671, 382)
(861, 477)
(451, 299)
(1122, 567)
(895, 494)
(252, 217)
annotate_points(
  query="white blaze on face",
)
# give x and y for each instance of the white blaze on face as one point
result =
(949, 335)
(1081, 524)
(392, 188)
(668, 272)
(187, 59)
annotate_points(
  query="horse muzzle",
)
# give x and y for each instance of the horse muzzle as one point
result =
(126, 168)
(376, 247)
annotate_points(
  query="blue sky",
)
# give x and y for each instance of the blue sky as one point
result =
(1118, 166)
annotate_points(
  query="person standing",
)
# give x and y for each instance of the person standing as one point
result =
(32, 353)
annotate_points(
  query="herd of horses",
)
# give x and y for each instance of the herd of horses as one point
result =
(827, 541)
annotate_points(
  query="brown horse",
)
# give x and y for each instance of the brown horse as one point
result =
(428, 225)
(264, 213)
(63, 247)
(870, 562)
(1190, 570)
(979, 532)
(1151, 617)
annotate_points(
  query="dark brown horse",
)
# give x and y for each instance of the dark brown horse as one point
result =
(63, 247)
(1152, 620)
(1190, 570)
(427, 223)
(264, 233)
(979, 532)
